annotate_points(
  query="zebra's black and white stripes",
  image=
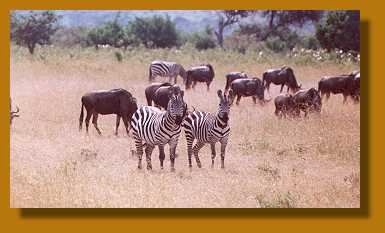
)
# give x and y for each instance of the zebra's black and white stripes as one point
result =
(152, 127)
(208, 128)
(166, 69)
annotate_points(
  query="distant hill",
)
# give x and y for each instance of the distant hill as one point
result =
(185, 20)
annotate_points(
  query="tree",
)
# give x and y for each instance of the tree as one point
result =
(34, 28)
(203, 40)
(110, 33)
(340, 30)
(156, 31)
(227, 18)
(279, 23)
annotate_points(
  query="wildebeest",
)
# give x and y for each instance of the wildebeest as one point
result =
(230, 77)
(283, 76)
(115, 101)
(13, 113)
(341, 84)
(284, 105)
(307, 101)
(162, 94)
(356, 88)
(150, 92)
(247, 87)
(203, 73)
(166, 69)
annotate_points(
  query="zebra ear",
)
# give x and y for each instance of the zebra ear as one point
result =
(219, 92)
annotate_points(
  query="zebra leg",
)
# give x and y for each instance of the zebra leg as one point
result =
(148, 150)
(95, 122)
(196, 149)
(223, 151)
(213, 154)
(117, 124)
(190, 141)
(139, 150)
(172, 154)
(161, 155)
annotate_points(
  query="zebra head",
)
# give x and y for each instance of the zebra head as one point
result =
(176, 107)
(224, 106)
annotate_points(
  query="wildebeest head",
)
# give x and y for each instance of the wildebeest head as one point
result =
(315, 99)
(176, 106)
(291, 79)
(224, 106)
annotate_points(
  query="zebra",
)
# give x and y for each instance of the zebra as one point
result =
(166, 69)
(153, 127)
(208, 128)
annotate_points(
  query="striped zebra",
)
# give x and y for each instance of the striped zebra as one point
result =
(208, 128)
(153, 127)
(166, 69)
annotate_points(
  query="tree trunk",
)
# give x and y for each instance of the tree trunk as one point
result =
(219, 35)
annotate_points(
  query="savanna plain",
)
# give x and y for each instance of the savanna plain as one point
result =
(307, 162)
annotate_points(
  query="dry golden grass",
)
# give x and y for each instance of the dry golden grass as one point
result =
(312, 162)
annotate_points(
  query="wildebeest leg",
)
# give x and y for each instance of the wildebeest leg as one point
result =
(196, 149)
(254, 99)
(238, 99)
(223, 151)
(161, 155)
(287, 89)
(194, 84)
(213, 154)
(345, 98)
(117, 124)
(208, 86)
(327, 95)
(281, 88)
(88, 117)
(95, 122)
(148, 150)
(126, 124)
(268, 87)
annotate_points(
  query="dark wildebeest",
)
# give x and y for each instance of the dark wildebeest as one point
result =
(283, 76)
(150, 92)
(115, 101)
(307, 101)
(356, 84)
(284, 105)
(13, 113)
(203, 73)
(230, 77)
(162, 95)
(344, 84)
(247, 87)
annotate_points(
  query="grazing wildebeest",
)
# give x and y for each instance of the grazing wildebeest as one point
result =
(115, 101)
(150, 92)
(307, 101)
(283, 76)
(166, 69)
(13, 113)
(208, 128)
(284, 105)
(203, 73)
(247, 87)
(230, 77)
(344, 84)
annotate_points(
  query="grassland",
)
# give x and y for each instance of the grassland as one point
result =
(312, 162)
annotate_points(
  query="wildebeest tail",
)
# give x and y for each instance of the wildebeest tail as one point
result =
(81, 117)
